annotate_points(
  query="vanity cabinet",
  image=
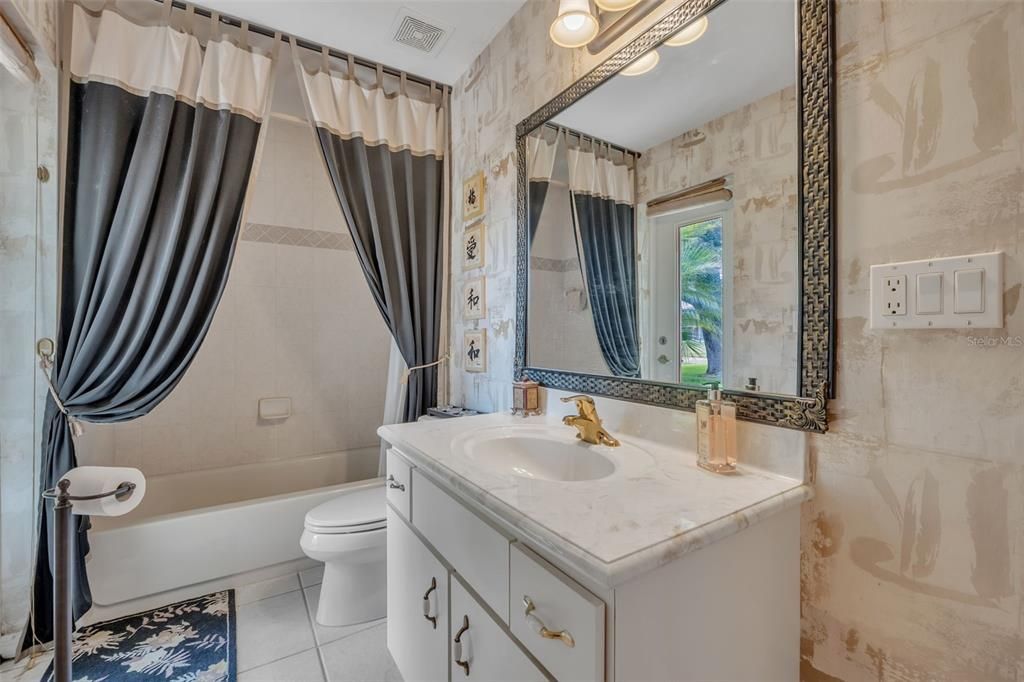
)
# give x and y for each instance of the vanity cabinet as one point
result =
(465, 586)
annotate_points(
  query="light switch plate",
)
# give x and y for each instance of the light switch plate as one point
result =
(936, 310)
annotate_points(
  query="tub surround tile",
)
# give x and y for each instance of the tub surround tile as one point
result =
(300, 667)
(271, 629)
(660, 507)
(298, 236)
(325, 634)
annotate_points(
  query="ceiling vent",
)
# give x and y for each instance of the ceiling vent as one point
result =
(419, 32)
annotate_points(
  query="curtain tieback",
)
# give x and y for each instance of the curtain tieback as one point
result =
(410, 370)
(73, 422)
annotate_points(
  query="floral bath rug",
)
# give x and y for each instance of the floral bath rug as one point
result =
(191, 641)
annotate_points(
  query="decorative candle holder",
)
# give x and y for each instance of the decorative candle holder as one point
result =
(525, 397)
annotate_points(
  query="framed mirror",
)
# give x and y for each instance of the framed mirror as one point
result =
(675, 216)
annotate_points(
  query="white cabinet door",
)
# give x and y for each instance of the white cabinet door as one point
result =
(417, 606)
(484, 651)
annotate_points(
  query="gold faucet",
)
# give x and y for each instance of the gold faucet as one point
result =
(588, 424)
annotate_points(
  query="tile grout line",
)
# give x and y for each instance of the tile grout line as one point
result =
(276, 660)
(274, 596)
(312, 627)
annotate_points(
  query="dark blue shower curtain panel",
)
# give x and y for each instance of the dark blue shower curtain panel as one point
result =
(156, 176)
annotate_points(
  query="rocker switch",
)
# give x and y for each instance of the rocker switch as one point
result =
(969, 291)
(929, 293)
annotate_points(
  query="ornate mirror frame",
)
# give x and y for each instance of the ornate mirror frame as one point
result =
(815, 91)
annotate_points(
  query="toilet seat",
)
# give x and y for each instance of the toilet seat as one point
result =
(356, 511)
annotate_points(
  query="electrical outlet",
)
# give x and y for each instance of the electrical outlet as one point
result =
(954, 292)
(894, 295)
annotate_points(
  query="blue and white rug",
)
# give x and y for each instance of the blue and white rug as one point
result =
(191, 641)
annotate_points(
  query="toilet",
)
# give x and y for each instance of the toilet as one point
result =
(349, 534)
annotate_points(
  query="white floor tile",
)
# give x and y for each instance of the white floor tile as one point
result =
(247, 594)
(26, 670)
(363, 657)
(325, 634)
(312, 576)
(272, 628)
(301, 667)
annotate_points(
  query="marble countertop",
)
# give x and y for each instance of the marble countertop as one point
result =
(657, 506)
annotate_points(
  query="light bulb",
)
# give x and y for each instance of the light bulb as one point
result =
(573, 22)
(642, 65)
(615, 5)
(575, 25)
(689, 34)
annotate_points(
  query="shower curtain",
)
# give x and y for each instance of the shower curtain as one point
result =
(385, 157)
(540, 154)
(162, 135)
(603, 217)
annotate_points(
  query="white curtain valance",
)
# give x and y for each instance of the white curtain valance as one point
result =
(599, 176)
(541, 155)
(108, 48)
(348, 110)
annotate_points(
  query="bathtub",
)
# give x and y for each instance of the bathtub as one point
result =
(204, 525)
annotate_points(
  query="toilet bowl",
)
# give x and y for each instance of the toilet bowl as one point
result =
(349, 534)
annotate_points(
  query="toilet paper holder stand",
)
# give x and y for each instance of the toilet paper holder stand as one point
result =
(62, 529)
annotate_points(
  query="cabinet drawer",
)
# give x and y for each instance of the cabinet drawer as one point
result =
(474, 549)
(399, 483)
(484, 651)
(559, 604)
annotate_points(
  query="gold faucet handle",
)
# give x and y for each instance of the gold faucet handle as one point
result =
(585, 407)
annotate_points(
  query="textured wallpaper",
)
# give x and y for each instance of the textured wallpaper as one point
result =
(913, 549)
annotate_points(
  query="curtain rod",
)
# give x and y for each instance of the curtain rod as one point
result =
(308, 44)
(571, 131)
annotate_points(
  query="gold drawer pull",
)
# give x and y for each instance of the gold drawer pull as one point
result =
(539, 627)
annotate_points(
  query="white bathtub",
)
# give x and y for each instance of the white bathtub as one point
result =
(204, 525)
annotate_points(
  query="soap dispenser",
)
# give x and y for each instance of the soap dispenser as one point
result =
(716, 432)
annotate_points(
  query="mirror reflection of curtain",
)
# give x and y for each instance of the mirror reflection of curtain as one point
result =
(162, 137)
(540, 154)
(385, 154)
(603, 210)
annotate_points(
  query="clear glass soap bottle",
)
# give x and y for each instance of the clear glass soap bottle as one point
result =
(716, 432)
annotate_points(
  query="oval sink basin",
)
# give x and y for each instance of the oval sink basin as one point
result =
(539, 452)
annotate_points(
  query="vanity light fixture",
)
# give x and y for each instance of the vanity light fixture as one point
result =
(691, 33)
(642, 65)
(615, 5)
(575, 25)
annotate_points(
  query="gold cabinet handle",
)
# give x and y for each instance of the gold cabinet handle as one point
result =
(539, 627)
(457, 650)
(426, 603)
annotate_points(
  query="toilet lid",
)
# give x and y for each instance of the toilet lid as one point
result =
(352, 511)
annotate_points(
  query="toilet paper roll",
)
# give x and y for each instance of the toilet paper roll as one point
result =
(90, 480)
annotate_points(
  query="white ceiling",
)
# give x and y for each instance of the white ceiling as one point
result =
(748, 52)
(364, 28)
